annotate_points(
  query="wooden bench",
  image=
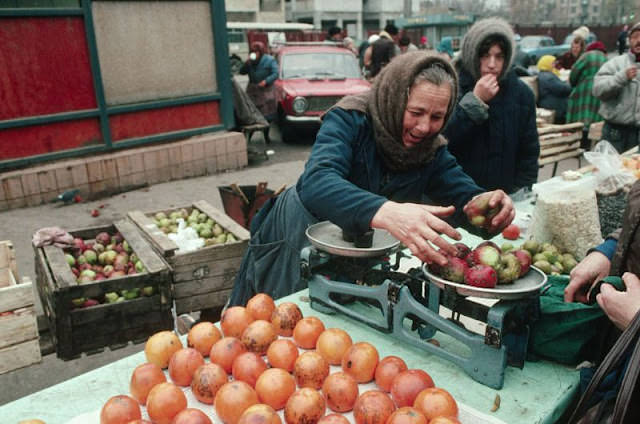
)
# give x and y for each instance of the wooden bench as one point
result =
(560, 142)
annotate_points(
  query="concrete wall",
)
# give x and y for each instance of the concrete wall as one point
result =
(141, 47)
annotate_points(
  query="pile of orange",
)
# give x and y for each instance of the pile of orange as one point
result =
(255, 369)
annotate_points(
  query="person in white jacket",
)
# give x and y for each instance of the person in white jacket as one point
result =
(617, 85)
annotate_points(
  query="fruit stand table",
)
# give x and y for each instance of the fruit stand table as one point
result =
(539, 393)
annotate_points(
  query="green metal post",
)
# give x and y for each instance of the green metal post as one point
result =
(223, 71)
(97, 74)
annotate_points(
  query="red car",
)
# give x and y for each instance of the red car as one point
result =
(312, 78)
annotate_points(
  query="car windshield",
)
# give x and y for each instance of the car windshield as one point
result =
(590, 39)
(319, 65)
(530, 42)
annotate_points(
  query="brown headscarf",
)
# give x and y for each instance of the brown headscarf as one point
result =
(386, 102)
(258, 46)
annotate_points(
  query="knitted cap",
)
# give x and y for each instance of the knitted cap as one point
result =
(582, 32)
(634, 28)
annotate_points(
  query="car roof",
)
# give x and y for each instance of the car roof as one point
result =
(313, 49)
(534, 36)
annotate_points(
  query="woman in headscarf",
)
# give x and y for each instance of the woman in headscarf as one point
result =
(263, 71)
(553, 93)
(567, 60)
(446, 47)
(492, 132)
(583, 105)
(375, 157)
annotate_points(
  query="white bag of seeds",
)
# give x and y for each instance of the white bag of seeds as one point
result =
(567, 217)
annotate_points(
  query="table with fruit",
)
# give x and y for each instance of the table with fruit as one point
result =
(264, 354)
(300, 366)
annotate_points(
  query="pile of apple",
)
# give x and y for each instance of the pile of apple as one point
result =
(207, 228)
(548, 258)
(108, 256)
(485, 266)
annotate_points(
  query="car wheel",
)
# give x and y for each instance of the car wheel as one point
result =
(235, 63)
(287, 133)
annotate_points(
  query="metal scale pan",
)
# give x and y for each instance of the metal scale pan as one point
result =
(327, 237)
(525, 286)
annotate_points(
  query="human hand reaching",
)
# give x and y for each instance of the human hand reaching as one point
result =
(593, 268)
(621, 306)
(419, 228)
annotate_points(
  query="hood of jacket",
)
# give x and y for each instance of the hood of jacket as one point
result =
(469, 57)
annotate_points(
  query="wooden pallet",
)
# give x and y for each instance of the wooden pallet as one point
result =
(202, 279)
(89, 330)
(559, 142)
(19, 344)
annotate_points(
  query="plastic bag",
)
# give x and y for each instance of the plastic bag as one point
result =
(611, 176)
(186, 238)
(566, 215)
(613, 184)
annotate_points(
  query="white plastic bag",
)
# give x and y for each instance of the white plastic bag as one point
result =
(614, 182)
(186, 238)
(566, 215)
(611, 176)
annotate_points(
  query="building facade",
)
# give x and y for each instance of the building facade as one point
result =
(358, 18)
(255, 10)
(574, 12)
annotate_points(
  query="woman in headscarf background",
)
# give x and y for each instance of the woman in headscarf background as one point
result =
(567, 59)
(375, 157)
(446, 47)
(583, 105)
(492, 132)
(553, 93)
(263, 71)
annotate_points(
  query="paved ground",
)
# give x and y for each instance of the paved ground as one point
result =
(283, 167)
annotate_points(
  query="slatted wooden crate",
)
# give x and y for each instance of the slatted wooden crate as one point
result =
(19, 344)
(202, 279)
(113, 325)
(559, 142)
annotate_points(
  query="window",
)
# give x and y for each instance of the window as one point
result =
(319, 65)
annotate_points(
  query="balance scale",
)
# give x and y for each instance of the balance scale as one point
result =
(365, 284)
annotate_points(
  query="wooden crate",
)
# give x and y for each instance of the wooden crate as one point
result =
(19, 343)
(202, 279)
(559, 142)
(90, 330)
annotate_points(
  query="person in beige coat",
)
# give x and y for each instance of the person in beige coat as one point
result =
(617, 85)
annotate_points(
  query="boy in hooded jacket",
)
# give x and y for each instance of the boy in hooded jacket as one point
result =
(492, 131)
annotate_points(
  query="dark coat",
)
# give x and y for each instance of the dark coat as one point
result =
(346, 182)
(499, 151)
(265, 70)
(553, 94)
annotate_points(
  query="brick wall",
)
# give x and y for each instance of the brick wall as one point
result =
(104, 175)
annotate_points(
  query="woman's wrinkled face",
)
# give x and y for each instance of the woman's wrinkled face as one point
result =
(425, 112)
(492, 62)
